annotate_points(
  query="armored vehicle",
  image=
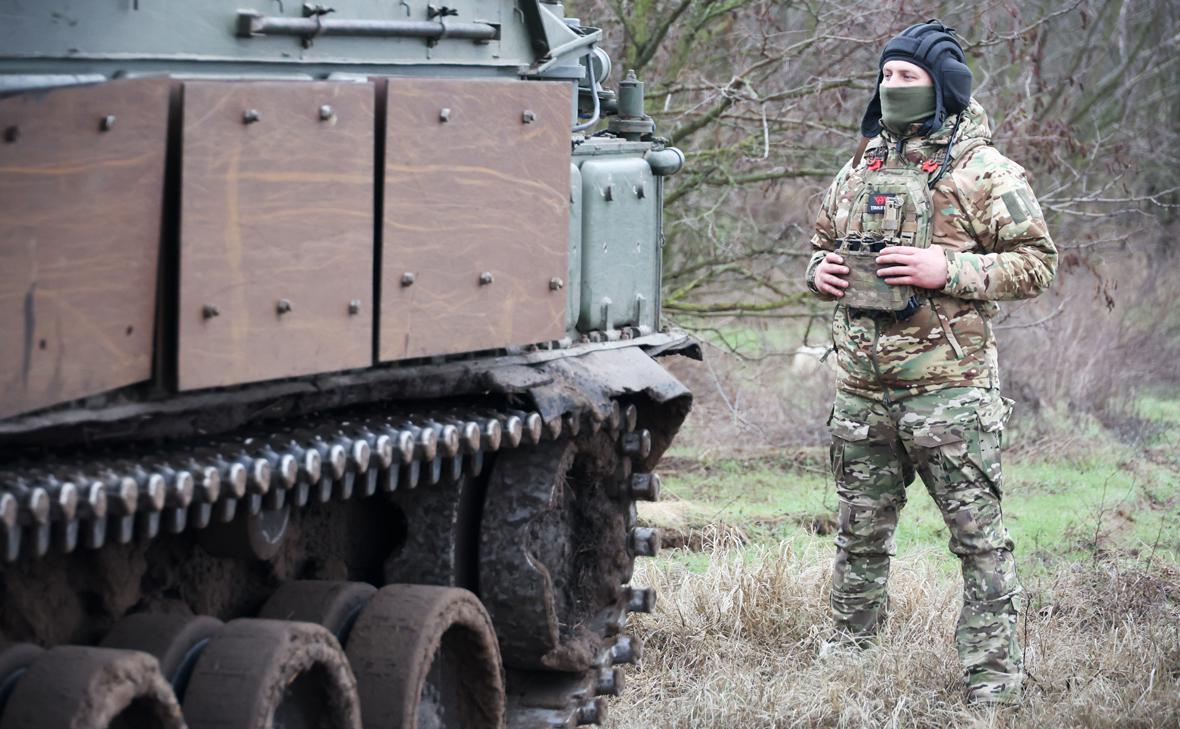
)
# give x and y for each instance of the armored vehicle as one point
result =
(327, 379)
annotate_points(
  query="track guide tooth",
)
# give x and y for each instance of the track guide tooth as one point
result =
(615, 417)
(592, 712)
(627, 649)
(637, 444)
(644, 541)
(572, 423)
(640, 599)
(553, 427)
(454, 468)
(630, 417)
(432, 471)
(609, 682)
(645, 487)
(475, 463)
(467, 432)
(412, 474)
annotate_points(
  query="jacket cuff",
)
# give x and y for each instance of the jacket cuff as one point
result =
(963, 274)
(816, 258)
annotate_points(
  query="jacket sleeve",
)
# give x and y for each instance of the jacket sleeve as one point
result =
(1017, 259)
(824, 239)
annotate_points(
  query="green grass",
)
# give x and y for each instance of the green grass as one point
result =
(1087, 503)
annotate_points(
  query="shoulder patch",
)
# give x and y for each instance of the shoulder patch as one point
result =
(1014, 201)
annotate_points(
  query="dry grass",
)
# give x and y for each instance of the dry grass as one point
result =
(737, 646)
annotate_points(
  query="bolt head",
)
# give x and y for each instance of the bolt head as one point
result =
(326, 113)
(209, 311)
(107, 123)
(556, 284)
(283, 306)
(11, 134)
(354, 307)
(528, 117)
(485, 278)
(444, 115)
(250, 116)
(408, 278)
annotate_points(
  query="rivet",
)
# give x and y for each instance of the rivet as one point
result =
(12, 133)
(444, 115)
(283, 306)
(528, 117)
(408, 279)
(556, 284)
(485, 278)
(209, 311)
(326, 113)
(250, 116)
(354, 306)
(107, 123)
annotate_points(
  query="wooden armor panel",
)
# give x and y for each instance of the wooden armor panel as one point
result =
(81, 194)
(476, 219)
(276, 238)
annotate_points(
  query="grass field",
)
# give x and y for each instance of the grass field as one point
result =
(735, 639)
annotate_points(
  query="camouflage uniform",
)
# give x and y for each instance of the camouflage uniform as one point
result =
(922, 394)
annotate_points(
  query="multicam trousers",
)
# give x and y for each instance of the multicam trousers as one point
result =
(952, 439)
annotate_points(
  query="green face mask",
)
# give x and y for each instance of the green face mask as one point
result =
(901, 106)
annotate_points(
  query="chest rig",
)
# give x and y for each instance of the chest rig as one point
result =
(894, 207)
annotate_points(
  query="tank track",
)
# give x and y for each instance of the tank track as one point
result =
(236, 493)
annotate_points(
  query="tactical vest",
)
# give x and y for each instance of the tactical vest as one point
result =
(893, 207)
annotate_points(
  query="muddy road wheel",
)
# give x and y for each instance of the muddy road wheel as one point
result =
(75, 687)
(264, 674)
(426, 657)
(332, 604)
(15, 659)
(176, 641)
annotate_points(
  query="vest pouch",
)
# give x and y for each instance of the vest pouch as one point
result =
(867, 290)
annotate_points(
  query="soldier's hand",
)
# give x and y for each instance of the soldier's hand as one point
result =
(829, 275)
(909, 266)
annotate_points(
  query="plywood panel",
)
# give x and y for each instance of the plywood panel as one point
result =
(277, 209)
(481, 192)
(80, 208)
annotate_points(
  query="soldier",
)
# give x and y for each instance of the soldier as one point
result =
(919, 235)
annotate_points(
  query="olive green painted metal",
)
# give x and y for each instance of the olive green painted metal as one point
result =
(573, 282)
(59, 34)
(620, 234)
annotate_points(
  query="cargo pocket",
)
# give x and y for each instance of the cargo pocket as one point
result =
(944, 450)
(963, 454)
(993, 414)
(844, 432)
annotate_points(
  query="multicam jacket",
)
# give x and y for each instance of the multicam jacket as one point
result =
(983, 214)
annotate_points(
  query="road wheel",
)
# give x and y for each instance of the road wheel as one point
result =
(427, 657)
(259, 674)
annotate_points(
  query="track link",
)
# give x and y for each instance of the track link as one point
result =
(251, 479)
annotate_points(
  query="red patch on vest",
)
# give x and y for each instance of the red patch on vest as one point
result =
(930, 165)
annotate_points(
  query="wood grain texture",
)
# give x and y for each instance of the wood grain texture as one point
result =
(481, 192)
(80, 213)
(281, 208)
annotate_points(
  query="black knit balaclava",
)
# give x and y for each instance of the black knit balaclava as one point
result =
(931, 46)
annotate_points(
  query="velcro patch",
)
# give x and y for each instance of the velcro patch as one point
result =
(878, 201)
(1014, 201)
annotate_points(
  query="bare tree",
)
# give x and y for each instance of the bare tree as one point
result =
(765, 97)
